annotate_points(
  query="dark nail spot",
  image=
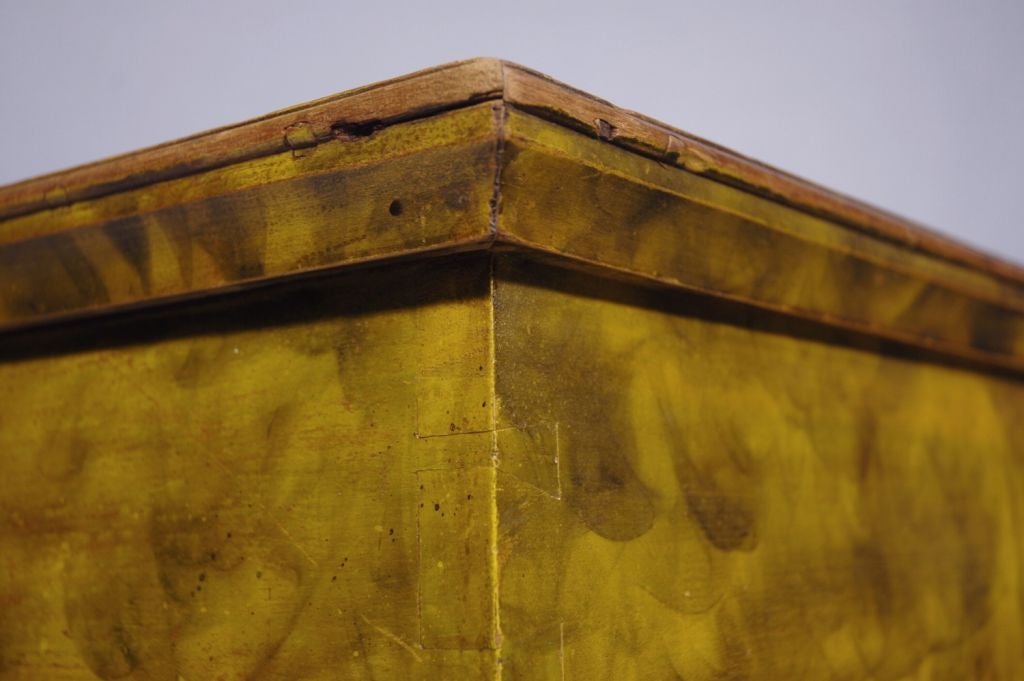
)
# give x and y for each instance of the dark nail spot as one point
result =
(396, 207)
(355, 130)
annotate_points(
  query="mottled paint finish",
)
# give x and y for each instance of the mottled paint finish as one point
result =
(476, 177)
(353, 478)
(742, 499)
(422, 186)
(346, 114)
(566, 194)
(800, 457)
(241, 491)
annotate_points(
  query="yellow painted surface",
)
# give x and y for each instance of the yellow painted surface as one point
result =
(704, 492)
(802, 459)
(567, 194)
(422, 186)
(268, 488)
(483, 466)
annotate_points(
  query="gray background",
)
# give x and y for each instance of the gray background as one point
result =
(914, 106)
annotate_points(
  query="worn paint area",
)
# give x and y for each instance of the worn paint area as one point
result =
(490, 467)
(409, 189)
(230, 449)
(236, 490)
(583, 199)
(741, 497)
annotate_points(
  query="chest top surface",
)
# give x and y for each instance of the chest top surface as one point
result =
(479, 153)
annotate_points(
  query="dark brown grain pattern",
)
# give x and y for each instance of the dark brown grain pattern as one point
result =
(354, 113)
(234, 489)
(399, 169)
(571, 196)
(343, 204)
(689, 490)
(555, 101)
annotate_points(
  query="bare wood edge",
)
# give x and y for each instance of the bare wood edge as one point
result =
(453, 85)
(354, 113)
(544, 97)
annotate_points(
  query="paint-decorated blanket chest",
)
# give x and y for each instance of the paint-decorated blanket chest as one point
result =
(470, 375)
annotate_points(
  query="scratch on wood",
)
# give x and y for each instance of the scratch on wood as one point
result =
(454, 434)
(558, 463)
(526, 455)
(296, 544)
(561, 648)
(471, 432)
(394, 637)
(531, 485)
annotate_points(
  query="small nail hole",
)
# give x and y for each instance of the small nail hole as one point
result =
(395, 208)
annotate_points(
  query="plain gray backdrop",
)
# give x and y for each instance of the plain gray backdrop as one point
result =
(914, 106)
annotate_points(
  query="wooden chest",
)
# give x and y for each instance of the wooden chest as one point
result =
(469, 375)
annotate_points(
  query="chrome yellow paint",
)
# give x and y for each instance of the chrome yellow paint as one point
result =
(705, 492)
(580, 198)
(254, 489)
(799, 458)
(422, 186)
(489, 467)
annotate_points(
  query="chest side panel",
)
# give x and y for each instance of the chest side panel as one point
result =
(247, 488)
(690, 488)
